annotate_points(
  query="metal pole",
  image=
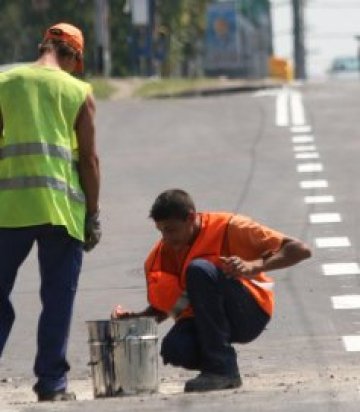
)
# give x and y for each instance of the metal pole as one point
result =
(102, 37)
(358, 51)
(299, 41)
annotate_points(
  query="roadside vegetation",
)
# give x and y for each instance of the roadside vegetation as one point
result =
(102, 88)
(172, 87)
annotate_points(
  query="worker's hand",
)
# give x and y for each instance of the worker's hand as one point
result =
(120, 313)
(92, 231)
(233, 266)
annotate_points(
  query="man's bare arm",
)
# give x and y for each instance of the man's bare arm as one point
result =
(291, 252)
(88, 160)
(120, 313)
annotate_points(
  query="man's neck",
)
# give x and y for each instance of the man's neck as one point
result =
(48, 59)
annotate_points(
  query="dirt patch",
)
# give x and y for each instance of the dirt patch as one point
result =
(335, 383)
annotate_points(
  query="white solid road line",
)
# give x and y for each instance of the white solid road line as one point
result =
(303, 139)
(305, 148)
(297, 109)
(334, 269)
(307, 155)
(352, 343)
(346, 302)
(319, 199)
(325, 242)
(309, 167)
(314, 184)
(282, 110)
(325, 218)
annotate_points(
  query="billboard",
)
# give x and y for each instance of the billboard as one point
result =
(222, 40)
(140, 12)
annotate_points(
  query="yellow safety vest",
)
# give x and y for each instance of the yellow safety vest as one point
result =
(39, 180)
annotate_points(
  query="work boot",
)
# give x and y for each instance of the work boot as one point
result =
(212, 382)
(56, 396)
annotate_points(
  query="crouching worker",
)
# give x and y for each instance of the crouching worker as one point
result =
(207, 272)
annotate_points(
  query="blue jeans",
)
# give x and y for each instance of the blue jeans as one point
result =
(60, 259)
(225, 312)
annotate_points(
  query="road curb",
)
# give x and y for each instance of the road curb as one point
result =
(214, 91)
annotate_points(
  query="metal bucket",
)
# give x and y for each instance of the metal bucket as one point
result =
(135, 355)
(101, 358)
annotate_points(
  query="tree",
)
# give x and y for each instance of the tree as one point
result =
(185, 23)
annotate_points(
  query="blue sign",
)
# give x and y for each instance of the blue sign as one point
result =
(222, 38)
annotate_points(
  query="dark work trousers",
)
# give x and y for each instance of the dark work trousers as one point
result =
(225, 312)
(60, 258)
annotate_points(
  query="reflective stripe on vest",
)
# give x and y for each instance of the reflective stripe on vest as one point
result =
(41, 182)
(23, 149)
(263, 285)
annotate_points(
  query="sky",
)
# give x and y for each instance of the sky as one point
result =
(331, 26)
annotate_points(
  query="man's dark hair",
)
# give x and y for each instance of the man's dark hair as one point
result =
(61, 48)
(172, 204)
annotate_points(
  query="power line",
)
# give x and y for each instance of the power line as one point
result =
(320, 5)
(313, 35)
(336, 6)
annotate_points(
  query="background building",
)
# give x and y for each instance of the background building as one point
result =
(238, 38)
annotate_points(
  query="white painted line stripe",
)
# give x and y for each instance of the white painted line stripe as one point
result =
(309, 167)
(305, 148)
(319, 199)
(314, 184)
(303, 139)
(324, 242)
(297, 109)
(301, 129)
(325, 218)
(351, 343)
(282, 111)
(307, 155)
(331, 269)
(346, 302)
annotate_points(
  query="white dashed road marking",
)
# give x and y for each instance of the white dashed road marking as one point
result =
(303, 139)
(319, 199)
(352, 343)
(301, 129)
(307, 155)
(305, 148)
(324, 242)
(309, 167)
(346, 302)
(314, 184)
(332, 269)
(325, 218)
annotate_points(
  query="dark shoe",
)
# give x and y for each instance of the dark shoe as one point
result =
(57, 396)
(212, 382)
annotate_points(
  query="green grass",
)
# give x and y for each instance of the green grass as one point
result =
(102, 88)
(172, 87)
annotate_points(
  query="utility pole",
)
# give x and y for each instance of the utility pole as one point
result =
(102, 37)
(357, 38)
(299, 39)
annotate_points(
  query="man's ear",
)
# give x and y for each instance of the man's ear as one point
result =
(191, 217)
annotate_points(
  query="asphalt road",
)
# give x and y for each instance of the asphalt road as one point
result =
(228, 152)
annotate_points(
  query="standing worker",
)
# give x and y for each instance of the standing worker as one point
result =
(207, 272)
(49, 189)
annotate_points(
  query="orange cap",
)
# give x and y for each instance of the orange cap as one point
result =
(70, 35)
